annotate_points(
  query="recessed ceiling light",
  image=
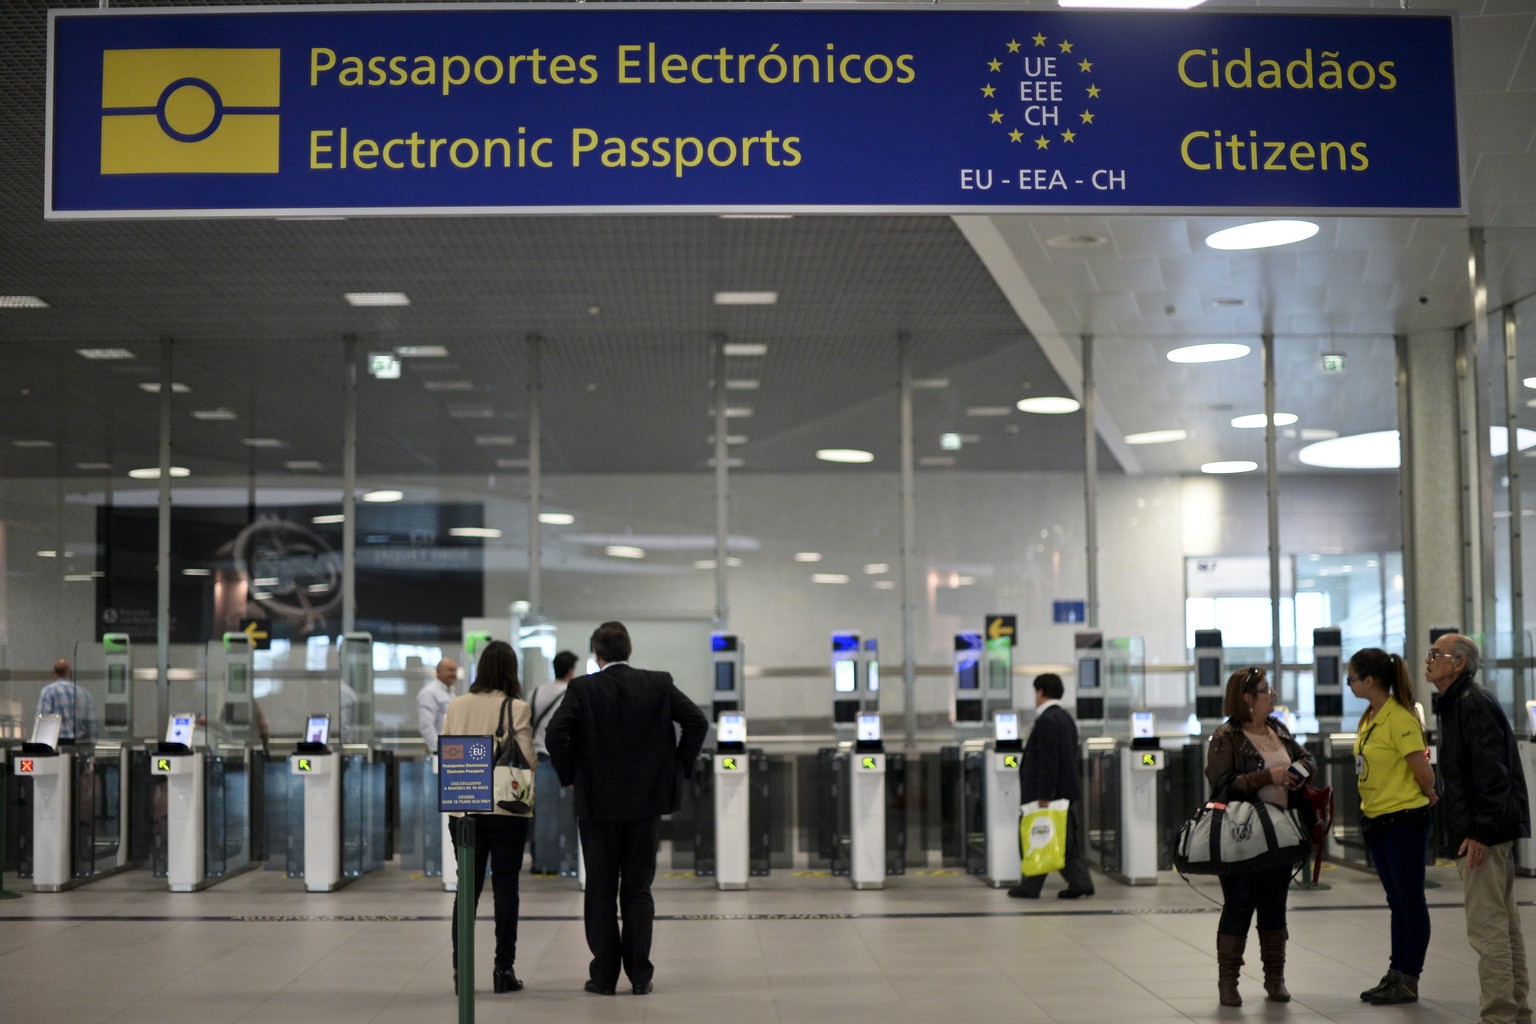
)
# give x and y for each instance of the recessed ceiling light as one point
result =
(511, 463)
(197, 572)
(876, 569)
(1229, 303)
(105, 353)
(78, 577)
(377, 298)
(1156, 436)
(746, 348)
(964, 581)
(263, 442)
(885, 584)
(326, 520)
(828, 577)
(447, 385)
(22, 302)
(930, 383)
(936, 460)
(214, 414)
(47, 554)
(624, 551)
(709, 563)
(32, 443)
(729, 439)
(153, 473)
(1234, 466)
(556, 518)
(479, 412)
(383, 496)
(1318, 434)
(1529, 382)
(94, 467)
(303, 464)
(1256, 420)
(731, 463)
(1082, 241)
(265, 581)
(1049, 405)
(495, 440)
(420, 351)
(1213, 353)
(488, 532)
(1262, 234)
(851, 456)
(1380, 449)
(807, 556)
(746, 298)
(989, 410)
(737, 412)
(153, 387)
(748, 385)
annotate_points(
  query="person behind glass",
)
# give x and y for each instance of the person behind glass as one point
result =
(492, 706)
(1397, 787)
(432, 703)
(1248, 758)
(554, 816)
(73, 704)
(1048, 771)
(615, 739)
(1484, 806)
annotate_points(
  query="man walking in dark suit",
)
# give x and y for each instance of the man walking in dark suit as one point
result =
(1048, 771)
(613, 739)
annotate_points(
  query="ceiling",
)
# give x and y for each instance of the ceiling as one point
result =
(994, 310)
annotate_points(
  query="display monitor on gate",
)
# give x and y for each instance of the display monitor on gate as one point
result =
(1005, 726)
(318, 729)
(868, 727)
(45, 731)
(179, 729)
(731, 729)
(1143, 726)
(1530, 710)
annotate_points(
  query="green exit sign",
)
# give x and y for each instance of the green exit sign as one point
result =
(1333, 362)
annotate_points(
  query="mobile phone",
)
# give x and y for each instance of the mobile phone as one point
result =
(1300, 771)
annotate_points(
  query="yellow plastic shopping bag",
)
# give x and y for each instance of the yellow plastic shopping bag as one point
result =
(1043, 837)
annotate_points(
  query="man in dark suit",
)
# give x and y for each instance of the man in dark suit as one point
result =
(613, 739)
(1048, 771)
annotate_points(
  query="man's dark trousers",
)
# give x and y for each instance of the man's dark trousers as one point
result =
(621, 865)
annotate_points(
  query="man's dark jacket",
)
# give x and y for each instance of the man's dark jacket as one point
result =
(1048, 769)
(1482, 786)
(613, 738)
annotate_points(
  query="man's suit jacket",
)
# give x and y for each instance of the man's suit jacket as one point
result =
(1048, 769)
(612, 737)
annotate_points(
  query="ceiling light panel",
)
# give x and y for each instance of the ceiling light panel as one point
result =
(746, 299)
(744, 349)
(377, 298)
(1213, 353)
(420, 351)
(105, 353)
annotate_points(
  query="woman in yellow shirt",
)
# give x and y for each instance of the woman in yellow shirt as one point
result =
(1397, 787)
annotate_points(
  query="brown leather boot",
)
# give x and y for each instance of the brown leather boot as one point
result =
(1272, 952)
(1229, 963)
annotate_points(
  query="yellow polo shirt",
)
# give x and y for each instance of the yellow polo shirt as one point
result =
(1381, 748)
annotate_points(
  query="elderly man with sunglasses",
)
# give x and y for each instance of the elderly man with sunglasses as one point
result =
(1483, 800)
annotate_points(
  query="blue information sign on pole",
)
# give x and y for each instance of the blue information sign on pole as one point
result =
(595, 107)
(465, 774)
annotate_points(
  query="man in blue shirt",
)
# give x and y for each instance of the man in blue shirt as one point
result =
(73, 704)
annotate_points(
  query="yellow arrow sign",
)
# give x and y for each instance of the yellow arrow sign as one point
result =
(256, 635)
(1149, 760)
(1010, 761)
(996, 629)
(728, 763)
(163, 763)
(306, 765)
(869, 763)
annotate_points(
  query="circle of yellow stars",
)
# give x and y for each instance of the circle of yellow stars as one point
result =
(1064, 49)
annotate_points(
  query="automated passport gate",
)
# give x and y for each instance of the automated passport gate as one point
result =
(51, 770)
(733, 801)
(1137, 779)
(320, 769)
(181, 760)
(866, 805)
(1000, 762)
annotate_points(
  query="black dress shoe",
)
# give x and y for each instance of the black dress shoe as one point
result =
(503, 980)
(598, 990)
(1018, 892)
(643, 989)
(1073, 894)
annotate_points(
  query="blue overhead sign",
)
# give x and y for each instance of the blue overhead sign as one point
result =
(701, 108)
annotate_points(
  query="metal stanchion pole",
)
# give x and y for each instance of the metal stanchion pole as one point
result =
(465, 922)
(5, 783)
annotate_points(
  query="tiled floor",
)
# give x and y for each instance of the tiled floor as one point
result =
(796, 948)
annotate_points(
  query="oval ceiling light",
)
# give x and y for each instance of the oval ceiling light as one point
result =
(1498, 440)
(1262, 234)
(624, 551)
(153, 473)
(1049, 405)
(1233, 466)
(556, 518)
(847, 455)
(807, 556)
(1156, 437)
(380, 497)
(1256, 420)
(1216, 352)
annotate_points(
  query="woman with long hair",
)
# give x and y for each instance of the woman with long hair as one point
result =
(493, 707)
(1397, 787)
(1249, 758)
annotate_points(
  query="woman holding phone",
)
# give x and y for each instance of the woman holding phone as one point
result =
(1397, 787)
(1252, 756)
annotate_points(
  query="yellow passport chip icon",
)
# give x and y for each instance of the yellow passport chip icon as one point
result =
(189, 111)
